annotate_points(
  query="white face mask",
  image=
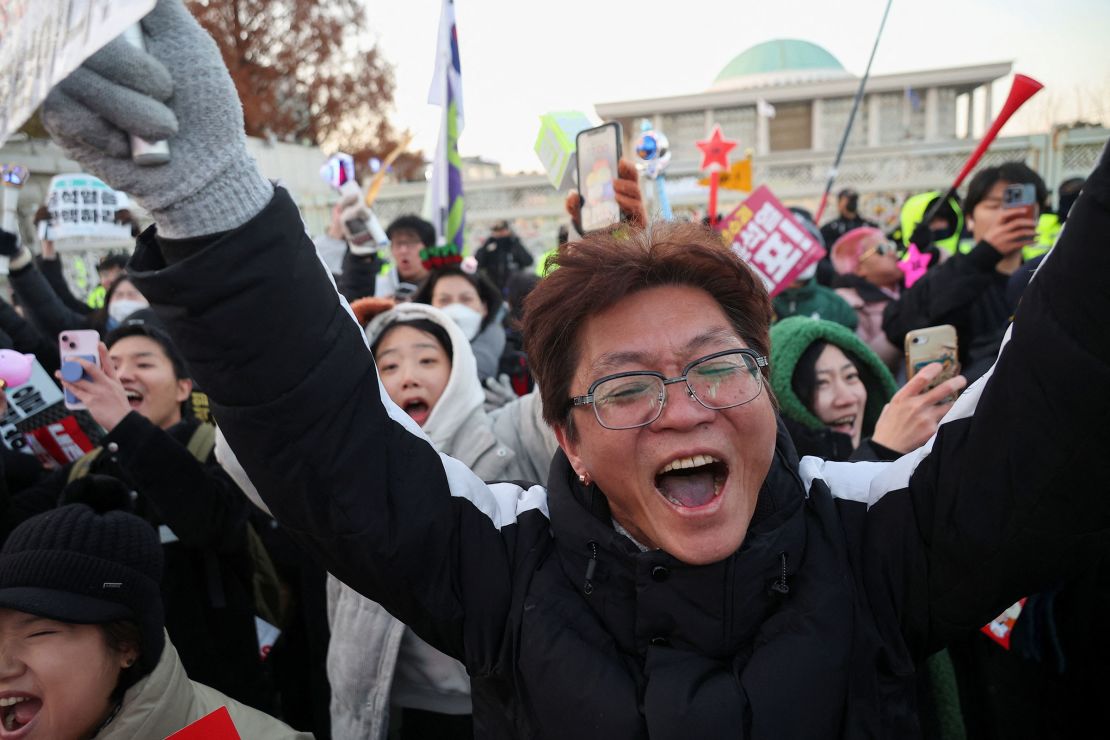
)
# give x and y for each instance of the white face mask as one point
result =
(469, 320)
(124, 307)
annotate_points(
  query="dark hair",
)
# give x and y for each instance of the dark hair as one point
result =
(41, 214)
(143, 329)
(521, 284)
(607, 266)
(1014, 173)
(99, 318)
(425, 325)
(118, 281)
(487, 291)
(804, 380)
(112, 260)
(120, 637)
(410, 222)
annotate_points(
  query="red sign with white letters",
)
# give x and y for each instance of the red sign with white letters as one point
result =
(765, 234)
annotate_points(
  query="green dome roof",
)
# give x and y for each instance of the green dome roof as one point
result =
(779, 55)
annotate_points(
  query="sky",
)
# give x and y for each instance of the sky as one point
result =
(522, 58)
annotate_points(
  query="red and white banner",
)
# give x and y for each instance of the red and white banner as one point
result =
(764, 234)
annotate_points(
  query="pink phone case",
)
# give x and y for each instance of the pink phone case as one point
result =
(74, 344)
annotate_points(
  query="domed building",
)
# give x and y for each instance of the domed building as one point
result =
(909, 137)
(788, 101)
(811, 94)
(779, 62)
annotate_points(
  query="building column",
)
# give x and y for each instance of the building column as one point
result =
(762, 134)
(817, 142)
(987, 105)
(971, 113)
(932, 112)
(874, 119)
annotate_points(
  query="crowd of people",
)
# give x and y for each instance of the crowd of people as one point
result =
(622, 494)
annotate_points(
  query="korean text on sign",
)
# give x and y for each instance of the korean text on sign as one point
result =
(764, 234)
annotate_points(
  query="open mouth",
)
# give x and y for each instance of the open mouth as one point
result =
(844, 424)
(692, 482)
(418, 410)
(16, 715)
(134, 398)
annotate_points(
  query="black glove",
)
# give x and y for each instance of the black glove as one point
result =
(9, 244)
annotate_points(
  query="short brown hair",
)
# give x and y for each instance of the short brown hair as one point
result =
(604, 267)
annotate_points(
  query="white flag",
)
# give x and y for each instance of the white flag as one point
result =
(765, 109)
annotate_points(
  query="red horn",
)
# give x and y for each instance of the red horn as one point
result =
(1021, 90)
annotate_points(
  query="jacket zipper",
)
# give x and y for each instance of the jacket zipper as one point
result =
(591, 566)
(780, 586)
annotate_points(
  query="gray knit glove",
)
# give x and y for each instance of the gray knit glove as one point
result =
(180, 90)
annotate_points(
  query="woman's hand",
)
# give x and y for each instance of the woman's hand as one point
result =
(100, 391)
(913, 414)
(627, 190)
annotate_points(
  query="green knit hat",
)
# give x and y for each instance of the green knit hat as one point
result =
(791, 337)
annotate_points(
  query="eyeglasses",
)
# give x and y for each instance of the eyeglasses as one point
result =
(882, 249)
(718, 381)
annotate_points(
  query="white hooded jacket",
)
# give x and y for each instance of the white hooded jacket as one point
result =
(366, 641)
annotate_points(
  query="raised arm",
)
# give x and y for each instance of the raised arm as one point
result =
(292, 384)
(1007, 497)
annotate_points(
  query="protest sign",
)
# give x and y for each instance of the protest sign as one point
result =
(556, 146)
(37, 422)
(765, 235)
(42, 41)
(738, 176)
(83, 214)
(214, 726)
(24, 401)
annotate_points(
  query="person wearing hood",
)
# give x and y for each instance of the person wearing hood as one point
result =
(868, 278)
(83, 647)
(682, 573)
(473, 302)
(379, 670)
(840, 402)
(941, 237)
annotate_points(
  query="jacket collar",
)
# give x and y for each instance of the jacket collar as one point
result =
(646, 598)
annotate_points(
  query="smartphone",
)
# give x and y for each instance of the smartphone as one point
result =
(73, 345)
(1021, 196)
(929, 345)
(599, 151)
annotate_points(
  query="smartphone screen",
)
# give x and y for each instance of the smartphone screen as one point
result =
(599, 150)
(1023, 196)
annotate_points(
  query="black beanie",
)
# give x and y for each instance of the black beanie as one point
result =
(74, 565)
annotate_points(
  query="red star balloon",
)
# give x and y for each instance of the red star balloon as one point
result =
(714, 151)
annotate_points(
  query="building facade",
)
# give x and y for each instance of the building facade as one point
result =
(912, 132)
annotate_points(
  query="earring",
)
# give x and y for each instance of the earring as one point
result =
(130, 662)
(584, 479)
